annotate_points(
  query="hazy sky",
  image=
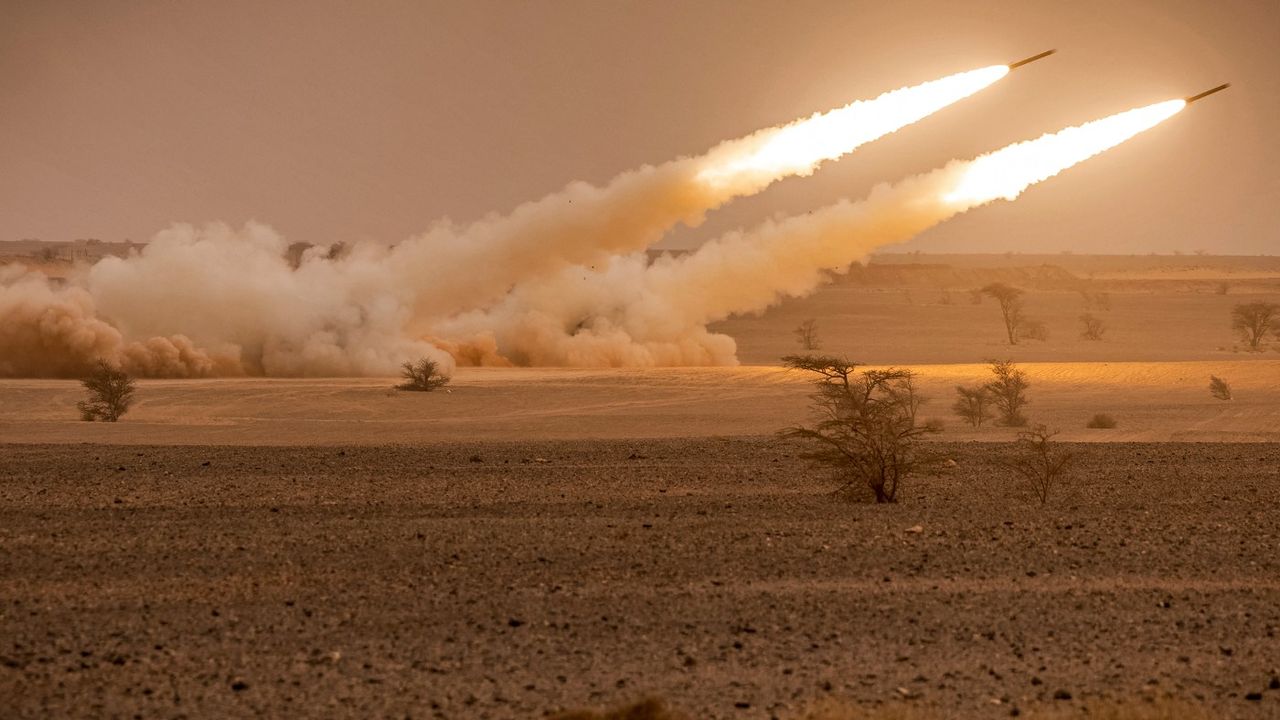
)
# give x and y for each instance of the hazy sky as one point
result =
(346, 120)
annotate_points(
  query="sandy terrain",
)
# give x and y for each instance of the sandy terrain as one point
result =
(1151, 401)
(508, 580)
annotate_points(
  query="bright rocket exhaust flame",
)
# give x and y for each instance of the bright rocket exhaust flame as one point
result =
(801, 146)
(1007, 172)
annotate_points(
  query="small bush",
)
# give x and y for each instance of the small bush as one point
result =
(1008, 392)
(1092, 327)
(110, 394)
(1033, 330)
(1039, 460)
(807, 334)
(422, 376)
(1254, 321)
(1219, 388)
(973, 404)
(865, 427)
(1101, 421)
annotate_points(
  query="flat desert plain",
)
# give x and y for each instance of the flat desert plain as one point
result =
(538, 540)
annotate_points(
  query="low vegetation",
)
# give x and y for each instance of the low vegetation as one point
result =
(1101, 421)
(1042, 463)
(1219, 388)
(422, 376)
(1017, 325)
(865, 428)
(1008, 391)
(1255, 321)
(1092, 327)
(807, 335)
(110, 393)
(973, 404)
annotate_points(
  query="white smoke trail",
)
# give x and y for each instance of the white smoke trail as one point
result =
(631, 313)
(460, 268)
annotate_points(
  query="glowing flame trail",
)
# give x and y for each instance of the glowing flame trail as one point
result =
(1007, 172)
(657, 315)
(798, 148)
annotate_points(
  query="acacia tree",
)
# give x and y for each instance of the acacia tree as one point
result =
(973, 404)
(1008, 392)
(1010, 300)
(110, 393)
(1254, 320)
(807, 334)
(863, 429)
(422, 376)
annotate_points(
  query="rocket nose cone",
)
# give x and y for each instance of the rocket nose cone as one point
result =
(1033, 58)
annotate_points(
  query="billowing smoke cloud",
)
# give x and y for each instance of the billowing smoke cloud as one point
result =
(633, 313)
(220, 301)
(54, 332)
(213, 301)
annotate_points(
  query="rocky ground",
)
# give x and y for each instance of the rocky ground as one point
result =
(514, 580)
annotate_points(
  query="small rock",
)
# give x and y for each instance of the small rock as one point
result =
(541, 460)
(515, 622)
(1226, 651)
(1253, 696)
(915, 529)
(949, 463)
(239, 685)
(1275, 683)
(475, 459)
(1061, 695)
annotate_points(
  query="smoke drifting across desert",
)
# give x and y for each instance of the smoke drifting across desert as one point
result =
(220, 301)
(634, 313)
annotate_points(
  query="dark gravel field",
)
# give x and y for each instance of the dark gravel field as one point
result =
(514, 580)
